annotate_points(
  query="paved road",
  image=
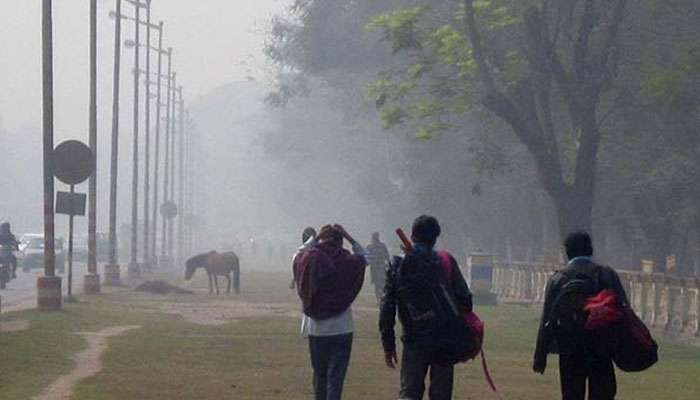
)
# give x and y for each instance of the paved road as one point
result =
(21, 292)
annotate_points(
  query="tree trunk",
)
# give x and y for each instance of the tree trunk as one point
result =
(574, 211)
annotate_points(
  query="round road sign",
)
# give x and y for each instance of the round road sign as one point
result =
(168, 210)
(73, 162)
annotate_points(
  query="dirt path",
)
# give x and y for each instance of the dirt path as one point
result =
(222, 312)
(88, 363)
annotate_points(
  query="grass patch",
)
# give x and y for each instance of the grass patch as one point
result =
(265, 358)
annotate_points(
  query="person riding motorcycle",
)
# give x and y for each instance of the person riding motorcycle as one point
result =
(7, 239)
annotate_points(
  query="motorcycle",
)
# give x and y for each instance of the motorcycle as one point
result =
(5, 265)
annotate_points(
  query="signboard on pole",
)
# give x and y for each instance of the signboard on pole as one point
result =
(73, 162)
(168, 210)
(70, 203)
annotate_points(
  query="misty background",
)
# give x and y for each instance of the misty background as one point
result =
(215, 43)
(303, 120)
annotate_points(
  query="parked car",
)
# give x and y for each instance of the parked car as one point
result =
(31, 252)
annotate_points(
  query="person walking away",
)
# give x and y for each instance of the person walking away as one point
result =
(308, 234)
(8, 239)
(584, 359)
(422, 319)
(378, 258)
(328, 279)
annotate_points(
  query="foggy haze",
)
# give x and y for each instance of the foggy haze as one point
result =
(216, 42)
(304, 118)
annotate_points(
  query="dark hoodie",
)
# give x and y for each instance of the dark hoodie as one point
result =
(329, 278)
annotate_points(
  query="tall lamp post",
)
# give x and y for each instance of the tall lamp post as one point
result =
(147, 149)
(181, 181)
(49, 286)
(166, 253)
(112, 273)
(173, 163)
(152, 238)
(134, 269)
(92, 279)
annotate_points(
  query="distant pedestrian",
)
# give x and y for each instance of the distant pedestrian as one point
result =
(584, 359)
(308, 234)
(423, 314)
(378, 258)
(8, 240)
(328, 279)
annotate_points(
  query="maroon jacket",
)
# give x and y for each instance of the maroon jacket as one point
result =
(328, 278)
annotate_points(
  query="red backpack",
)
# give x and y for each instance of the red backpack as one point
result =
(633, 348)
(473, 323)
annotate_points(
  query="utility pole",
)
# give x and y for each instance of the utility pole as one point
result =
(181, 182)
(165, 261)
(112, 275)
(147, 146)
(92, 279)
(156, 164)
(134, 269)
(49, 296)
(186, 185)
(173, 163)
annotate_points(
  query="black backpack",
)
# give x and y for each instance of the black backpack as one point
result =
(422, 288)
(567, 315)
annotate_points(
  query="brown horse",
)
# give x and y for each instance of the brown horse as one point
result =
(216, 264)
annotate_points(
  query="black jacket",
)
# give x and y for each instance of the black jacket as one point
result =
(9, 240)
(390, 304)
(547, 340)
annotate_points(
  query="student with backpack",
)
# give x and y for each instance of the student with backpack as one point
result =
(328, 279)
(585, 356)
(431, 297)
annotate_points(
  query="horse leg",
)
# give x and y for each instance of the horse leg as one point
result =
(216, 283)
(211, 286)
(237, 279)
(228, 285)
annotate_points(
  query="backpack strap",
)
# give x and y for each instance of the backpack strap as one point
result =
(445, 264)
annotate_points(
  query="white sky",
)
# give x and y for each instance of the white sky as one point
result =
(210, 37)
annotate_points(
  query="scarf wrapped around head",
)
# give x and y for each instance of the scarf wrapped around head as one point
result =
(329, 278)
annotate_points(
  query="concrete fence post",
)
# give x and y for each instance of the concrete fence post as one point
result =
(649, 315)
(662, 306)
(694, 310)
(676, 305)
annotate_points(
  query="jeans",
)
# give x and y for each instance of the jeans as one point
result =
(330, 356)
(415, 364)
(575, 370)
(378, 280)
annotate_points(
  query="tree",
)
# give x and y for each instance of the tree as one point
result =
(547, 69)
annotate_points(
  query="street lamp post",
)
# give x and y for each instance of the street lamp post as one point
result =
(134, 269)
(165, 261)
(173, 162)
(147, 145)
(48, 286)
(112, 273)
(152, 237)
(181, 181)
(92, 279)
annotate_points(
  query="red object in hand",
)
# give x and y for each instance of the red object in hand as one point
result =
(603, 310)
(407, 245)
